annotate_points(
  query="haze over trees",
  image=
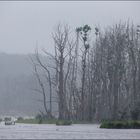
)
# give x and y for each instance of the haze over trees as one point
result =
(16, 83)
(92, 77)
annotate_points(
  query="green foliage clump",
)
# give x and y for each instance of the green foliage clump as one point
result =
(39, 117)
(63, 122)
(20, 118)
(121, 125)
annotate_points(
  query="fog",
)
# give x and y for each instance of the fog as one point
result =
(25, 23)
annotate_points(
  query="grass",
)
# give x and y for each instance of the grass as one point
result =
(121, 124)
(63, 122)
(51, 121)
(85, 122)
(44, 121)
(104, 124)
(29, 121)
(37, 121)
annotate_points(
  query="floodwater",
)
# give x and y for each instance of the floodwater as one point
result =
(75, 131)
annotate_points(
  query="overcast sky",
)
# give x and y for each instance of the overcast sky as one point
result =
(24, 23)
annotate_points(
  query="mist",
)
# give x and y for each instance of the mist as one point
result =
(25, 23)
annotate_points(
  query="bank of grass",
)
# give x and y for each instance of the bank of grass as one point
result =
(131, 124)
(37, 121)
(45, 121)
(52, 121)
(84, 122)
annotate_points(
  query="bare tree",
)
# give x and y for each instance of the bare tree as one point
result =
(107, 84)
(84, 34)
(61, 39)
(38, 64)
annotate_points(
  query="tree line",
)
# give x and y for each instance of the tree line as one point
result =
(94, 75)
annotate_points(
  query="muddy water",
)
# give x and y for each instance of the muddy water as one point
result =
(75, 131)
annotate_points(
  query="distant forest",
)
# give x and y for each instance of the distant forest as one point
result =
(93, 75)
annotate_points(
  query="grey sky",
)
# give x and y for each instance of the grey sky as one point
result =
(22, 23)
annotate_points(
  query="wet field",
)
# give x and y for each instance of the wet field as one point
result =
(75, 131)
